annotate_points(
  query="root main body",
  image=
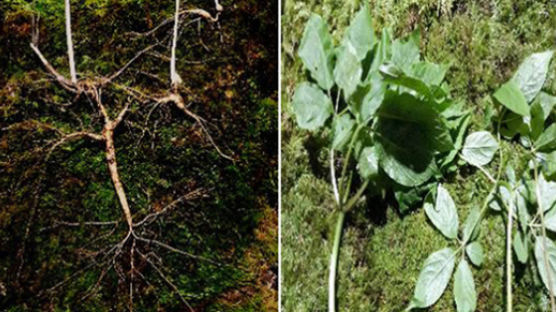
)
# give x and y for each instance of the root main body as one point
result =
(108, 135)
(139, 244)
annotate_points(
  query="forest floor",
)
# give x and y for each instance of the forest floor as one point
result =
(383, 250)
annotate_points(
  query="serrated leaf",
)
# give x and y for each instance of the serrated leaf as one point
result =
(317, 52)
(368, 163)
(464, 288)
(462, 124)
(408, 132)
(343, 126)
(394, 75)
(433, 278)
(479, 148)
(383, 51)
(311, 106)
(405, 53)
(443, 214)
(547, 140)
(511, 96)
(550, 258)
(367, 97)
(348, 70)
(547, 102)
(471, 225)
(429, 73)
(360, 33)
(521, 247)
(475, 253)
(531, 74)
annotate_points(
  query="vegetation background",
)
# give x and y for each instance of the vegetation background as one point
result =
(383, 249)
(230, 78)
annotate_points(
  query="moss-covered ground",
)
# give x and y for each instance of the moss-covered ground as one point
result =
(382, 250)
(229, 79)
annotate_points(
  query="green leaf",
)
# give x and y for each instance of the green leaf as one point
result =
(479, 148)
(536, 121)
(406, 53)
(464, 288)
(394, 75)
(429, 73)
(317, 52)
(383, 51)
(360, 33)
(408, 132)
(514, 124)
(503, 199)
(547, 191)
(510, 174)
(462, 124)
(471, 225)
(367, 98)
(511, 96)
(368, 163)
(343, 127)
(411, 197)
(521, 247)
(475, 253)
(494, 203)
(550, 258)
(548, 161)
(531, 74)
(547, 103)
(443, 214)
(348, 70)
(550, 220)
(433, 279)
(547, 140)
(522, 212)
(311, 106)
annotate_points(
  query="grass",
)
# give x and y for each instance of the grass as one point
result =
(383, 251)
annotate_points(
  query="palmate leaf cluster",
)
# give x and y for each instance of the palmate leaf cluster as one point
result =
(382, 104)
(531, 199)
(439, 266)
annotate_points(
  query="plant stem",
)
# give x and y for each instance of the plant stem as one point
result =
(346, 160)
(540, 211)
(69, 42)
(509, 261)
(347, 206)
(333, 178)
(334, 262)
(174, 77)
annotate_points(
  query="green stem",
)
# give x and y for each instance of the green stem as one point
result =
(334, 262)
(345, 166)
(509, 261)
(347, 207)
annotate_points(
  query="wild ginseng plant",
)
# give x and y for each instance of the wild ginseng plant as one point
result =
(529, 201)
(387, 113)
